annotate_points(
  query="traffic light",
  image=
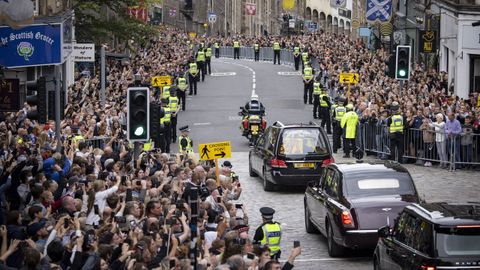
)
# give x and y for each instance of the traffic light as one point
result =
(37, 96)
(402, 70)
(156, 113)
(51, 105)
(138, 104)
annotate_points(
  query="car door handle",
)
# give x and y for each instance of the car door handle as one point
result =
(403, 256)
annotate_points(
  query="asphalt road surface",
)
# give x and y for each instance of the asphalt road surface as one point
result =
(213, 117)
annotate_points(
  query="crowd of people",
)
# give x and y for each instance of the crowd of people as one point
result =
(83, 206)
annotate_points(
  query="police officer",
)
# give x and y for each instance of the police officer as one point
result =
(201, 62)
(174, 108)
(325, 110)
(185, 144)
(276, 52)
(256, 51)
(193, 77)
(307, 83)
(217, 50)
(395, 126)
(296, 57)
(304, 58)
(349, 124)
(182, 87)
(317, 91)
(269, 233)
(236, 49)
(338, 112)
(208, 57)
(166, 133)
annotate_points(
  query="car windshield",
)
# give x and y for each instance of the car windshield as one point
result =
(464, 242)
(374, 183)
(302, 141)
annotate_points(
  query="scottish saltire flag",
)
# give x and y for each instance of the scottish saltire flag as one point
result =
(379, 10)
(338, 3)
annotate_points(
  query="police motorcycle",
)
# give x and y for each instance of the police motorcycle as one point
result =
(253, 122)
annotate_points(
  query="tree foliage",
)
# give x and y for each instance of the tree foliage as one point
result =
(94, 24)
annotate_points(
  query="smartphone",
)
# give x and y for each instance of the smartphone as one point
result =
(172, 264)
(65, 223)
(250, 256)
(112, 215)
(238, 205)
(296, 244)
(123, 180)
(139, 182)
(219, 199)
(96, 210)
(133, 224)
(120, 219)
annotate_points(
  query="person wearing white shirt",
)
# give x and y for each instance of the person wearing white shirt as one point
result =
(97, 197)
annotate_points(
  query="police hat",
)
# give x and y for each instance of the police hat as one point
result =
(227, 163)
(184, 128)
(267, 212)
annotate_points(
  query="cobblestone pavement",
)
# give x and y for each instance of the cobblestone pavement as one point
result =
(433, 184)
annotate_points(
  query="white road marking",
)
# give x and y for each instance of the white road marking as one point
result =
(234, 118)
(253, 80)
(202, 124)
(221, 74)
(289, 73)
(254, 86)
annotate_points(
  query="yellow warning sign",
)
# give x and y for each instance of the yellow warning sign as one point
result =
(215, 150)
(192, 35)
(352, 78)
(159, 81)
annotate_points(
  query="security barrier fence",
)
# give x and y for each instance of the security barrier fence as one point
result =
(265, 54)
(425, 146)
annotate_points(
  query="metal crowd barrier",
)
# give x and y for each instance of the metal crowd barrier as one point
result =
(98, 142)
(265, 54)
(460, 151)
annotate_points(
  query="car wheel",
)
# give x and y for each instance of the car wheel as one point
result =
(309, 227)
(250, 169)
(334, 249)
(267, 185)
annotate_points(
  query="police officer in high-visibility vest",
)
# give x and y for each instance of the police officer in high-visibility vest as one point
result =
(317, 91)
(201, 63)
(166, 132)
(165, 92)
(193, 77)
(185, 144)
(304, 58)
(395, 127)
(296, 57)
(182, 87)
(307, 83)
(269, 233)
(349, 124)
(208, 57)
(338, 112)
(217, 49)
(256, 51)
(276, 52)
(325, 105)
(174, 108)
(236, 49)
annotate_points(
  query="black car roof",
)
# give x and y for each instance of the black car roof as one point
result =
(279, 124)
(448, 214)
(361, 168)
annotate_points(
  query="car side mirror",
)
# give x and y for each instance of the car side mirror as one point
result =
(384, 231)
(242, 108)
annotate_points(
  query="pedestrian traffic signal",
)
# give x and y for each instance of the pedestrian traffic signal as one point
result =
(37, 97)
(138, 104)
(402, 70)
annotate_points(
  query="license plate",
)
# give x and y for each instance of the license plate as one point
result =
(255, 128)
(303, 165)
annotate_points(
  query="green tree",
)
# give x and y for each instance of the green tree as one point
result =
(99, 20)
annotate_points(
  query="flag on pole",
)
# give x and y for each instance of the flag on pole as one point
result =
(250, 9)
(338, 3)
(288, 4)
(379, 10)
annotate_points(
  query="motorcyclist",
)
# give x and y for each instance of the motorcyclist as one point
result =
(252, 108)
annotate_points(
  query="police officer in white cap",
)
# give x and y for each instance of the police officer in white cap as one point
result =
(269, 233)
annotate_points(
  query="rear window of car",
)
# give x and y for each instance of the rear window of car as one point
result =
(458, 242)
(302, 141)
(374, 183)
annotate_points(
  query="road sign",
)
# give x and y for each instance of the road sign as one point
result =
(216, 150)
(159, 81)
(212, 17)
(352, 78)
